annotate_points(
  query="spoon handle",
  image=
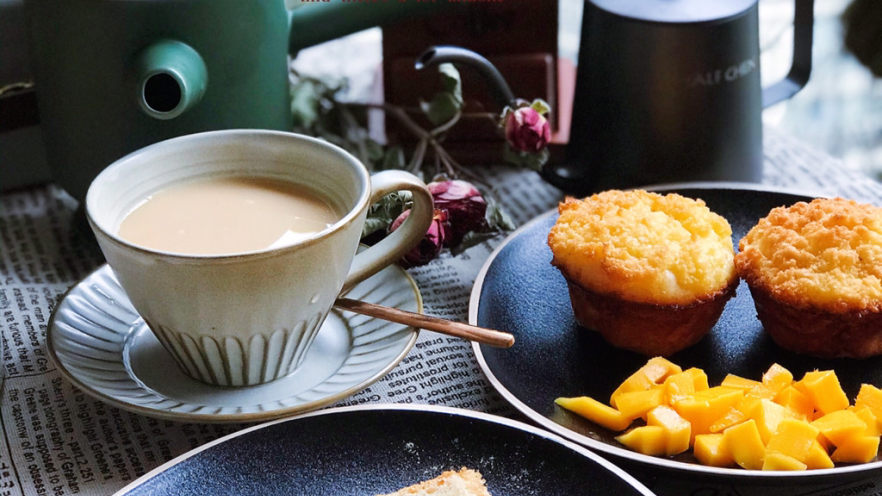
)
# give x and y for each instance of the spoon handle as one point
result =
(498, 339)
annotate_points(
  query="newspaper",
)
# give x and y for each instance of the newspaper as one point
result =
(55, 439)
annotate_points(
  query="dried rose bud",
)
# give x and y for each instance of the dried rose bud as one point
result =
(430, 246)
(527, 130)
(464, 205)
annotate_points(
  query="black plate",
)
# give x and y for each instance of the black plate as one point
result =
(518, 290)
(374, 449)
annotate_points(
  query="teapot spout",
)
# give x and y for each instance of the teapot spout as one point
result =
(171, 78)
(458, 55)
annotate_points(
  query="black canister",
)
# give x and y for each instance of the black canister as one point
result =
(669, 91)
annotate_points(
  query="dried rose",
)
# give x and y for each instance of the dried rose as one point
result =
(464, 205)
(430, 246)
(527, 130)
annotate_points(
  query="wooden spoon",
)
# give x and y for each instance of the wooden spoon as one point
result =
(498, 339)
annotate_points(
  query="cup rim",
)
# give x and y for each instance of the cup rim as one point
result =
(349, 217)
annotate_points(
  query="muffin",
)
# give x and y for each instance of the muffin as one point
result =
(815, 273)
(651, 273)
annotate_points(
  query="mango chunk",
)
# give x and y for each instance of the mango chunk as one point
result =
(780, 461)
(817, 457)
(793, 438)
(761, 391)
(704, 407)
(768, 415)
(636, 403)
(635, 382)
(596, 412)
(652, 373)
(678, 431)
(840, 425)
(796, 401)
(648, 439)
(856, 449)
(678, 386)
(710, 450)
(738, 382)
(867, 416)
(871, 397)
(743, 441)
(732, 417)
(699, 378)
(823, 388)
(777, 378)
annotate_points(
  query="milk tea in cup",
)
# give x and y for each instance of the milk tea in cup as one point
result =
(233, 245)
(226, 215)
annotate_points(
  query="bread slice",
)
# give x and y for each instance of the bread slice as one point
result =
(466, 482)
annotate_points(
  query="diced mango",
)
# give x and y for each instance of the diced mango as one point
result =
(596, 412)
(780, 461)
(704, 407)
(856, 449)
(636, 382)
(652, 373)
(732, 417)
(823, 388)
(871, 397)
(678, 431)
(743, 441)
(796, 401)
(817, 457)
(699, 378)
(738, 382)
(648, 439)
(678, 386)
(710, 450)
(865, 414)
(840, 425)
(793, 438)
(773, 424)
(657, 368)
(636, 403)
(761, 391)
(777, 378)
(768, 415)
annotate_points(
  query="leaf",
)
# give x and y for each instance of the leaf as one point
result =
(450, 80)
(393, 158)
(304, 104)
(374, 224)
(442, 108)
(496, 217)
(473, 238)
(541, 106)
(533, 161)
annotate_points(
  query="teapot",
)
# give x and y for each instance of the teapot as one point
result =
(669, 91)
(116, 75)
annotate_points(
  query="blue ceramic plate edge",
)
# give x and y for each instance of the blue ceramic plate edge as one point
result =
(636, 484)
(545, 422)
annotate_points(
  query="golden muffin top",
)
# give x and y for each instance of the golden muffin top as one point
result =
(643, 247)
(826, 254)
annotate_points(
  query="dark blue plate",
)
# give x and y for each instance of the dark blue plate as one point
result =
(366, 450)
(519, 291)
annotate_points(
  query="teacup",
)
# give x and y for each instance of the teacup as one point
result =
(236, 319)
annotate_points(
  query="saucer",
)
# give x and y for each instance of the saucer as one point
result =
(100, 344)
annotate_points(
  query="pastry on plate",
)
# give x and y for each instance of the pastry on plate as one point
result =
(465, 482)
(650, 272)
(815, 273)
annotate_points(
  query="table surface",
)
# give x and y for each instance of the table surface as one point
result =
(44, 250)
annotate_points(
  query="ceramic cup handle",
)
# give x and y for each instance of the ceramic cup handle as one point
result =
(395, 245)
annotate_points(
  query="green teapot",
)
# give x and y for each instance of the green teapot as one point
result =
(113, 76)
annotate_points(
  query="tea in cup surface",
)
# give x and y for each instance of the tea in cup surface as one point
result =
(226, 215)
